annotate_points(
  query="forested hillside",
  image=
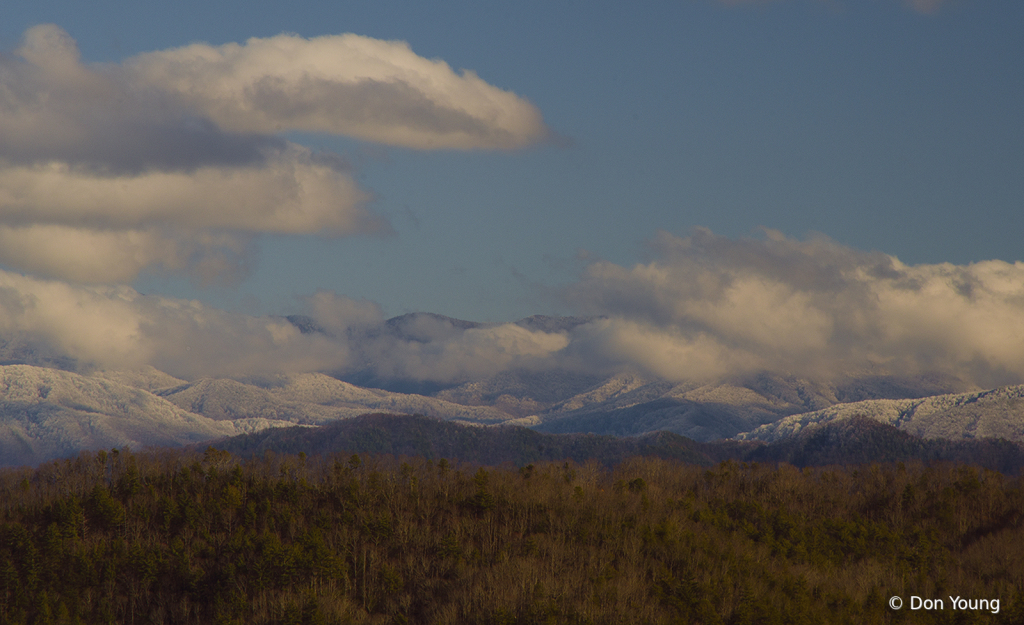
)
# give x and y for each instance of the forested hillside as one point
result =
(858, 440)
(182, 537)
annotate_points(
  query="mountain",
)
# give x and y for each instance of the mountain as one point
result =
(224, 400)
(861, 440)
(92, 409)
(544, 323)
(147, 378)
(996, 413)
(38, 354)
(519, 392)
(309, 398)
(49, 413)
(416, 435)
(422, 327)
(631, 403)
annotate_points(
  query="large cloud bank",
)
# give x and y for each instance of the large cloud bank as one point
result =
(708, 306)
(170, 160)
(705, 307)
(115, 327)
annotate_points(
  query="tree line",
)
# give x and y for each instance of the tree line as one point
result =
(209, 537)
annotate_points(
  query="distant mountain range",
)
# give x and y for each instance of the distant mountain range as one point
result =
(48, 410)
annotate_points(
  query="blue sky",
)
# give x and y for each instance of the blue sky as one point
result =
(793, 185)
(879, 126)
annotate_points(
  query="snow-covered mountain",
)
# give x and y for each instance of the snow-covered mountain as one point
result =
(996, 413)
(48, 413)
(632, 404)
(311, 398)
(51, 413)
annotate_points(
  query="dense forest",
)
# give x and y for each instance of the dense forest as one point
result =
(209, 537)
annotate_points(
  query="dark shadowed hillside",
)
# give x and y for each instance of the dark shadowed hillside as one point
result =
(849, 442)
(862, 440)
(406, 435)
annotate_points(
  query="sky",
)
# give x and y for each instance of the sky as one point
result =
(801, 185)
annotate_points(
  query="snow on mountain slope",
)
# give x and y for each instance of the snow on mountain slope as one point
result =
(996, 413)
(619, 391)
(310, 398)
(632, 404)
(227, 400)
(147, 378)
(48, 413)
(520, 392)
(324, 390)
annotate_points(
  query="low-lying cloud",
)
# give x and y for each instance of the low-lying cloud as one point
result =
(118, 328)
(430, 347)
(705, 307)
(708, 306)
(171, 160)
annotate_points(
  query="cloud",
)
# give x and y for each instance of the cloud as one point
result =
(709, 306)
(457, 355)
(706, 307)
(58, 220)
(95, 256)
(292, 192)
(117, 327)
(170, 161)
(427, 347)
(341, 316)
(379, 91)
(101, 119)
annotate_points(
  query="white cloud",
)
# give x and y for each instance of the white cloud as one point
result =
(340, 316)
(84, 255)
(460, 355)
(117, 327)
(380, 91)
(169, 161)
(291, 193)
(709, 305)
(103, 120)
(704, 308)
(428, 347)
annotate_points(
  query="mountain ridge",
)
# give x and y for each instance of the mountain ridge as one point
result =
(993, 413)
(47, 413)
